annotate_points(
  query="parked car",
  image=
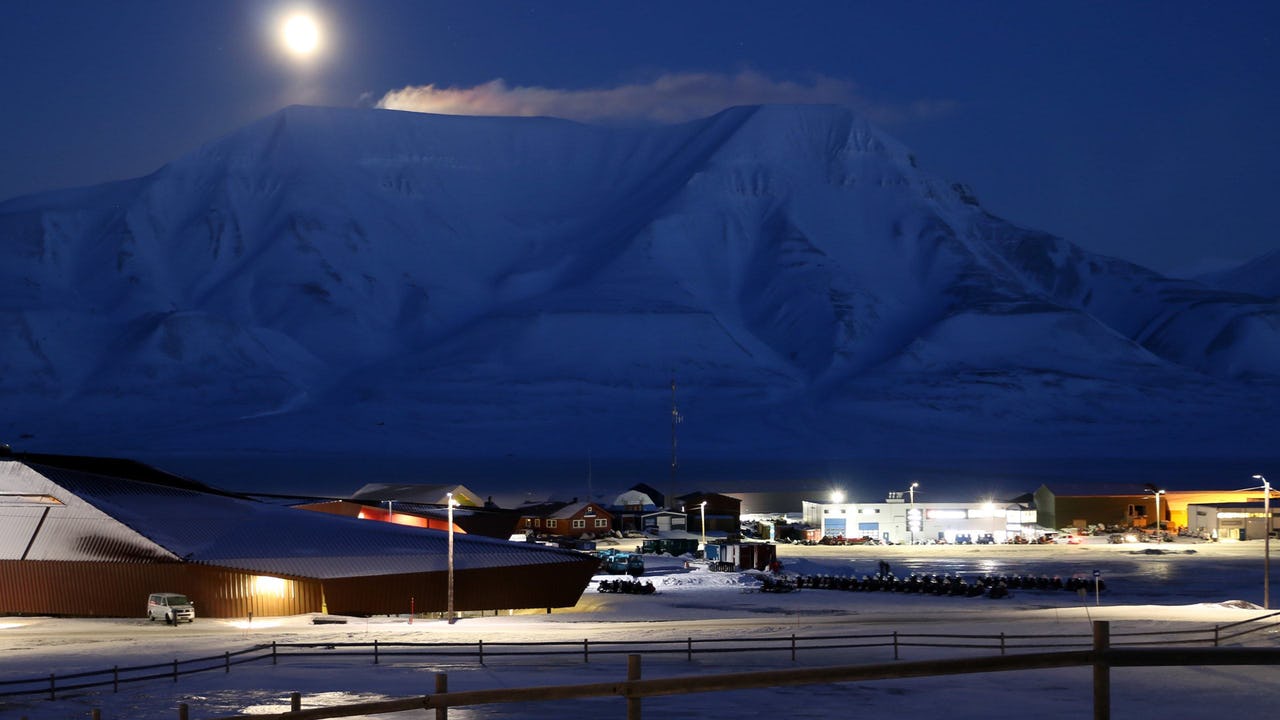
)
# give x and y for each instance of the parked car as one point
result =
(170, 607)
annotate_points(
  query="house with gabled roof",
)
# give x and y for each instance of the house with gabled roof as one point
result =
(571, 519)
(630, 507)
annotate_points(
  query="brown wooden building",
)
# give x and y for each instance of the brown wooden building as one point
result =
(569, 520)
(94, 536)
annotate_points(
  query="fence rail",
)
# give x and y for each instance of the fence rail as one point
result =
(481, 651)
(1102, 656)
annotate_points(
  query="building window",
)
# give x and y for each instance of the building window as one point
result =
(602, 523)
(528, 522)
(28, 499)
(551, 523)
(579, 523)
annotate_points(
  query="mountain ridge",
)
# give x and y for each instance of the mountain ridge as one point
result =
(512, 285)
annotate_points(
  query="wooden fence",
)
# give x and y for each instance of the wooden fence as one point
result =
(1121, 649)
(1102, 656)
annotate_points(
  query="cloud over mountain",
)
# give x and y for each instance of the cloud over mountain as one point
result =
(674, 97)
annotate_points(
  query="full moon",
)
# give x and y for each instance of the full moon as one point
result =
(301, 35)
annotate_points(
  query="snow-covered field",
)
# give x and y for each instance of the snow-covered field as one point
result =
(1177, 586)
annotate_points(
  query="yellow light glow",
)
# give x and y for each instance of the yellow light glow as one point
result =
(267, 585)
(254, 624)
(300, 34)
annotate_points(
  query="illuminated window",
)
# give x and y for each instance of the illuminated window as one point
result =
(28, 499)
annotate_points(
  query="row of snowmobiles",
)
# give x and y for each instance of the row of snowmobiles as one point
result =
(626, 587)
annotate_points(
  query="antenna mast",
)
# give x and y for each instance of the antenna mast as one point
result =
(675, 420)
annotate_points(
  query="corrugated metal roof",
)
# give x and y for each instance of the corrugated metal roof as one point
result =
(70, 529)
(220, 529)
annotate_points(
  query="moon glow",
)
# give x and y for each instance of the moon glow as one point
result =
(300, 34)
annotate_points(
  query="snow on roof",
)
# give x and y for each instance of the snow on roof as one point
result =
(167, 522)
(572, 509)
(414, 492)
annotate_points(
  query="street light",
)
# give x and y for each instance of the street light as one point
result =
(1157, 493)
(911, 513)
(702, 509)
(1266, 543)
(451, 503)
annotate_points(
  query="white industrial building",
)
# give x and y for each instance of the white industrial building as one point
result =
(1231, 521)
(900, 519)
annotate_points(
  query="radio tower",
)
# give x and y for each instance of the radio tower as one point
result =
(675, 420)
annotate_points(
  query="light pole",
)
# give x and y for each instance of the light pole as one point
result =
(702, 509)
(1159, 535)
(911, 512)
(451, 503)
(1266, 543)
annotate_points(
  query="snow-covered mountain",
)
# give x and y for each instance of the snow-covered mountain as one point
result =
(394, 283)
(1260, 276)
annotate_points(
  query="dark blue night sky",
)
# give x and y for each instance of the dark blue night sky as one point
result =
(1143, 130)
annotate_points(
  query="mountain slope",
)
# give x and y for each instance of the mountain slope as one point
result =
(1260, 276)
(407, 284)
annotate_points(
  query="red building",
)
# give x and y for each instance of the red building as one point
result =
(571, 520)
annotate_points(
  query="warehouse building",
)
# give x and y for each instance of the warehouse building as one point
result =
(1231, 520)
(900, 519)
(94, 536)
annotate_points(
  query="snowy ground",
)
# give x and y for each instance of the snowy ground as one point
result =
(1178, 586)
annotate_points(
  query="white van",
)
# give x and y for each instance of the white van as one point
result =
(170, 607)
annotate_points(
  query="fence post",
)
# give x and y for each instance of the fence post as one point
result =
(633, 673)
(689, 648)
(480, 652)
(295, 701)
(1001, 643)
(1215, 635)
(1101, 670)
(183, 713)
(895, 644)
(273, 651)
(442, 688)
(52, 683)
(115, 678)
(586, 650)
(375, 651)
(793, 647)
(96, 714)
